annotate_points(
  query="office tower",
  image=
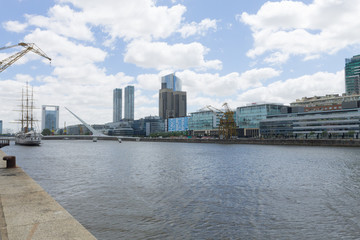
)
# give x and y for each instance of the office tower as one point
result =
(352, 75)
(171, 82)
(129, 103)
(50, 117)
(172, 101)
(1, 127)
(117, 105)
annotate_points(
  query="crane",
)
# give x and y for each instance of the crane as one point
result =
(13, 58)
(227, 126)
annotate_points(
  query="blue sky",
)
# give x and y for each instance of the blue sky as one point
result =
(231, 51)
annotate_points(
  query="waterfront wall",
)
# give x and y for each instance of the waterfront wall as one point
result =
(299, 142)
(28, 212)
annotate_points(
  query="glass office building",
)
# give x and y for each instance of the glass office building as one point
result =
(171, 82)
(50, 117)
(352, 75)
(129, 103)
(322, 124)
(117, 105)
(1, 127)
(251, 115)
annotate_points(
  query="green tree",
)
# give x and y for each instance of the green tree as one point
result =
(46, 132)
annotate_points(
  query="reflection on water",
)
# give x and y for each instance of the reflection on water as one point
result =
(137, 190)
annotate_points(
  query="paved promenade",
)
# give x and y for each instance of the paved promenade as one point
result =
(28, 212)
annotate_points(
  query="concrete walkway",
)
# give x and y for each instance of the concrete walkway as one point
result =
(28, 212)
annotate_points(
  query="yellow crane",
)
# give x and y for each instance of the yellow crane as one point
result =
(13, 58)
(227, 125)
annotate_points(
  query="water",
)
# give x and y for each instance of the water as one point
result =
(137, 190)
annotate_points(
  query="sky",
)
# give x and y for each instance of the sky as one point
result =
(239, 52)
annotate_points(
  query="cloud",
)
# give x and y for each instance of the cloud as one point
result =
(282, 29)
(161, 55)
(198, 28)
(227, 85)
(287, 91)
(14, 26)
(131, 19)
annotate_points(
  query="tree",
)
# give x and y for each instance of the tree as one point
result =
(46, 132)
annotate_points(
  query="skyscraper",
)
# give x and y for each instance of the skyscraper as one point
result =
(129, 103)
(352, 75)
(117, 104)
(1, 127)
(172, 82)
(172, 101)
(50, 117)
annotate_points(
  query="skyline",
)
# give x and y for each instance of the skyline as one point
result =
(234, 51)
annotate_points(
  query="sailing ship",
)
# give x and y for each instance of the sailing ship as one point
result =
(28, 135)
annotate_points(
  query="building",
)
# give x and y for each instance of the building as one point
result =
(352, 75)
(248, 117)
(50, 117)
(324, 103)
(172, 101)
(204, 123)
(171, 82)
(129, 103)
(1, 127)
(321, 124)
(117, 105)
(148, 125)
(178, 124)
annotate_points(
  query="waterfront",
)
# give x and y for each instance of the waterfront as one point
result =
(140, 190)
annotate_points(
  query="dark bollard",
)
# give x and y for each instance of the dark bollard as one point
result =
(10, 161)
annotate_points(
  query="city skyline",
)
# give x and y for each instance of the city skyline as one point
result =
(239, 52)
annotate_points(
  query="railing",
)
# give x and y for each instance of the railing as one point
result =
(4, 142)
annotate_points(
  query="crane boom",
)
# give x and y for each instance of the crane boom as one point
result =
(13, 58)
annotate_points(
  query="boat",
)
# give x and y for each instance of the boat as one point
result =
(28, 135)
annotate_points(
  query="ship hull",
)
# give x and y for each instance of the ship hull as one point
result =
(28, 139)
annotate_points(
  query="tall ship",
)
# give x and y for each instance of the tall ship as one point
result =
(28, 134)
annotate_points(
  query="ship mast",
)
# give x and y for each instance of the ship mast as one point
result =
(22, 110)
(32, 107)
(27, 107)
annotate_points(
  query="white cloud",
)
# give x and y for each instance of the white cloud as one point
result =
(287, 91)
(230, 84)
(161, 55)
(290, 28)
(14, 26)
(131, 19)
(198, 28)
(63, 21)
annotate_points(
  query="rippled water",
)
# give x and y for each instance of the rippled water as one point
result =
(137, 190)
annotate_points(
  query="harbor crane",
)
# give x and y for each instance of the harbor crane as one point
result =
(13, 58)
(227, 125)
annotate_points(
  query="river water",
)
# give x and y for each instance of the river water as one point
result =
(142, 190)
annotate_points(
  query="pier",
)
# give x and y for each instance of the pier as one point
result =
(4, 142)
(28, 212)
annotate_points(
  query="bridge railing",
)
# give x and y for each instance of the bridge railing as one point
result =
(4, 142)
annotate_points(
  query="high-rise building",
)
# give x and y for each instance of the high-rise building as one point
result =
(117, 104)
(172, 101)
(129, 103)
(352, 75)
(171, 82)
(50, 117)
(1, 127)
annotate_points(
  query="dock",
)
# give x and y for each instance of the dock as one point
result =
(28, 212)
(4, 142)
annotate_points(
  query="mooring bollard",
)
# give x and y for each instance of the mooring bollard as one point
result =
(10, 161)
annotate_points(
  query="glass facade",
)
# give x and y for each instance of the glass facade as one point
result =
(352, 75)
(178, 124)
(205, 120)
(117, 105)
(171, 82)
(129, 102)
(322, 124)
(1, 127)
(50, 117)
(250, 116)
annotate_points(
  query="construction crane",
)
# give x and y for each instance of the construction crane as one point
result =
(227, 125)
(13, 58)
